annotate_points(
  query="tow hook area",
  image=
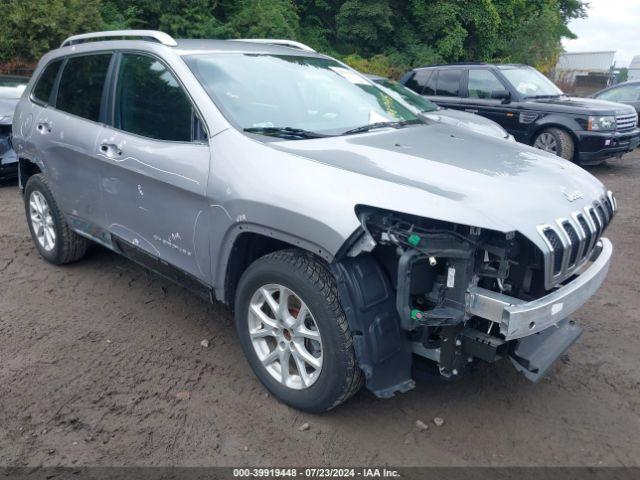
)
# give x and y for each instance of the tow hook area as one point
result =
(533, 355)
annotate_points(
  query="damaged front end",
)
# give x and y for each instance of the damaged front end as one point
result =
(455, 295)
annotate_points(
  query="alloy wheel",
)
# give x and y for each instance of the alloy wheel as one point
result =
(42, 221)
(285, 336)
(546, 142)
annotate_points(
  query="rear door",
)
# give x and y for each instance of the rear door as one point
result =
(68, 130)
(480, 83)
(26, 137)
(445, 87)
(157, 166)
(418, 80)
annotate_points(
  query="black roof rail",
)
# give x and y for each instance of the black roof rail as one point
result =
(458, 64)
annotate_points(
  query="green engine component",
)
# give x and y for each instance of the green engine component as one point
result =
(414, 239)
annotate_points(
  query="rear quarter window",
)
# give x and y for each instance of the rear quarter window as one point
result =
(42, 90)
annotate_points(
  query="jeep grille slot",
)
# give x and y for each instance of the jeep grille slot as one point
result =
(557, 247)
(602, 215)
(596, 221)
(587, 233)
(572, 240)
(607, 207)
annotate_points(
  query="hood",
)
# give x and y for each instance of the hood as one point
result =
(7, 107)
(584, 106)
(512, 184)
(468, 120)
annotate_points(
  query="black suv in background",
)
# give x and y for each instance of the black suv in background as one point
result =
(531, 108)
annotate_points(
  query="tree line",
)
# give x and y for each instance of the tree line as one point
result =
(386, 37)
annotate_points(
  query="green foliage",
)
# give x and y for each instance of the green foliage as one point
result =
(623, 76)
(31, 28)
(364, 25)
(386, 37)
(265, 19)
(378, 64)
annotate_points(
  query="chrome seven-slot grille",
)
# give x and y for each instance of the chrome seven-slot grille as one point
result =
(572, 240)
(626, 123)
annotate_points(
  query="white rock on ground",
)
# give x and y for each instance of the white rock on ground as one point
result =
(420, 425)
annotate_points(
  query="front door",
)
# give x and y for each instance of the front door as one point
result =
(481, 83)
(157, 167)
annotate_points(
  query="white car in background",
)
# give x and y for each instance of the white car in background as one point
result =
(426, 108)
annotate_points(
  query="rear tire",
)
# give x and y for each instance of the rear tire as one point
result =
(556, 141)
(55, 241)
(332, 376)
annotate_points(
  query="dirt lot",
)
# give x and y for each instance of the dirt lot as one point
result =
(101, 363)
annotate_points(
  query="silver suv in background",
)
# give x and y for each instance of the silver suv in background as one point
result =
(346, 234)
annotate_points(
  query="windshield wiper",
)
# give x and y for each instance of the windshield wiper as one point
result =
(372, 126)
(285, 132)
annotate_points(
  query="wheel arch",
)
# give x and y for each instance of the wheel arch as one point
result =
(560, 126)
(247, 243)
(26, 169)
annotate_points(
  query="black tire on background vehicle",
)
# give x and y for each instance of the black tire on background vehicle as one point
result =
(55, 241)
(309, 335)
(556, 141)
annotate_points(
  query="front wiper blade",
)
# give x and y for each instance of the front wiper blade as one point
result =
(372, 126)
(285, 132)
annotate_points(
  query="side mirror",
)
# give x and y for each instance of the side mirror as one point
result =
(503, 95)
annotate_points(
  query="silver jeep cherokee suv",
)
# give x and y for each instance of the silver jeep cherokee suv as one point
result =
(348, 237)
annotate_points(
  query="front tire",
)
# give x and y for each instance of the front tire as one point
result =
(294, 332)
(55, 241)
(556, 141)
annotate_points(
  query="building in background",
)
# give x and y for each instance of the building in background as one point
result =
(634, 69)
(583, 73)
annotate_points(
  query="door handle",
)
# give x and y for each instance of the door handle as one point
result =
(44, 127)
(471, 110)
(110, 150)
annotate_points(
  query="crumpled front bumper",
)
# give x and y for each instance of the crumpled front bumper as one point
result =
(8, 157)
(539, 332)
(518, 318)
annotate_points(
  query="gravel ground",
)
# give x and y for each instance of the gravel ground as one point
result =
(101, 363)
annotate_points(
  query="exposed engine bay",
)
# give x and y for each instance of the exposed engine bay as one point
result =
(407, 285)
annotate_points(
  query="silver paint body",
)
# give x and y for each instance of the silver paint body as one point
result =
(188, 202)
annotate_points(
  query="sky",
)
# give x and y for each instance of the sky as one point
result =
(610, 25)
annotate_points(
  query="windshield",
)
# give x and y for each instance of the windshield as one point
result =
(270, 92)
(12, 87)
(530, 83)
(409, 96)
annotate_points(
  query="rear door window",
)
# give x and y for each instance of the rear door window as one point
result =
(42, 90)
(449, 82)
(430, 89)
(81, 85)
(150, 101)
(419, 80)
